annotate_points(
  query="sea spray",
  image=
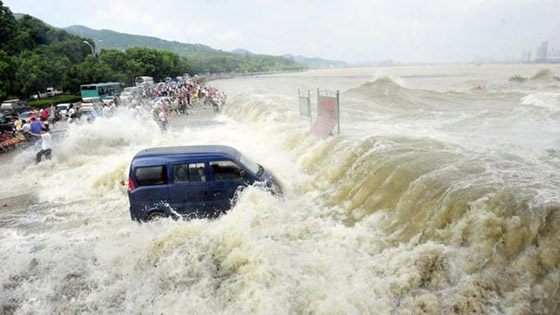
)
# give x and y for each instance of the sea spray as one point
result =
(440, 205)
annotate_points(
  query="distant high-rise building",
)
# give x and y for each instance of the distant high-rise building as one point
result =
(554, 55)
(526, 56)
(542, 52)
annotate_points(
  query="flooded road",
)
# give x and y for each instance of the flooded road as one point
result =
(440, 196)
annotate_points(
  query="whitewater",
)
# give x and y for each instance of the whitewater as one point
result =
(439, 196)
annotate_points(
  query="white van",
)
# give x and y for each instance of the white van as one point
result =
(144, 81)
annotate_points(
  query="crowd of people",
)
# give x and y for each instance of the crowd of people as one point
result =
(30, 130)
(176, 98)
(186, 92)
(161, 100)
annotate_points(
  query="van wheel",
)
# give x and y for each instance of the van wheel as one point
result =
(156, 215)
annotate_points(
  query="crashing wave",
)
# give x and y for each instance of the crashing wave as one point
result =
(517, 78)
(544, 74)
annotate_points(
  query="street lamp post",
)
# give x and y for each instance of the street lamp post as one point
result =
(93, 49)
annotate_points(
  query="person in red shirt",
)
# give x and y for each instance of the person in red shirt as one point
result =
(44, 114)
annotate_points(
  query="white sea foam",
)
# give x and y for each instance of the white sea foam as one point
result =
(428, 202)
(549, 100)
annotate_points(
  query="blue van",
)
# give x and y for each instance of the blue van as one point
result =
(190, 181)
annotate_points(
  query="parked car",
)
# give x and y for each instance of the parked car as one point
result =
(190, 181)
(131, 89)
(13, 106)
(63, 109)
(51, 92)
(110, 100)
(24, 116)
(38, 96)
(126, 97)
(88, 104)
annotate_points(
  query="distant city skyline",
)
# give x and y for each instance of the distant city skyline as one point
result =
(353, 31)
(543, 53)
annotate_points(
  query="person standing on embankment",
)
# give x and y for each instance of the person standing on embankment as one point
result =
(45, 145)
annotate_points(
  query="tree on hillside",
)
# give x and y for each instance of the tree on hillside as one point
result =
(147, 59)
(8, 28)
(92, 70)
(39, 69)
(133, 69)
(34, 56)
(36, 29)
(73, 48)
(6, 68)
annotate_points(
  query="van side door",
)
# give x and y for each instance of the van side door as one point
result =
(152, 191)
(189, 188)
(227, 177)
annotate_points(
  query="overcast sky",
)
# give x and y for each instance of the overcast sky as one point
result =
(353, 30)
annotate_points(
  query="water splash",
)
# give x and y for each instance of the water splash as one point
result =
(383, 220)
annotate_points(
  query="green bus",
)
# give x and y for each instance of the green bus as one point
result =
(100, 90)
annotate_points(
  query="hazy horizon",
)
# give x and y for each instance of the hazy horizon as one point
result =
(434, 31)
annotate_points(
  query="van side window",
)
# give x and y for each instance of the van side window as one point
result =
(226, 171)
(185, 173)
(196, 172)
(151, 175)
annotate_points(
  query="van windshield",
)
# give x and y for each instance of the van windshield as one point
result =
(251, 165)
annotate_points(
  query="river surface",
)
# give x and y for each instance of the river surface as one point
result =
(441, 195)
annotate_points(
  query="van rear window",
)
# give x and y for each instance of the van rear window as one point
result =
(151, 175)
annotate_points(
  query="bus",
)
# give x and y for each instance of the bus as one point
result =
(100, 90)
(144, 81)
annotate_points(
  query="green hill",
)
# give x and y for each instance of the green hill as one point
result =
(203, 54)
(315, 63)
(35, 55)
(312, 63)
(203, 58)
(122, 41)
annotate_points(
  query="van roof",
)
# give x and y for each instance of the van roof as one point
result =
(186, 150)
